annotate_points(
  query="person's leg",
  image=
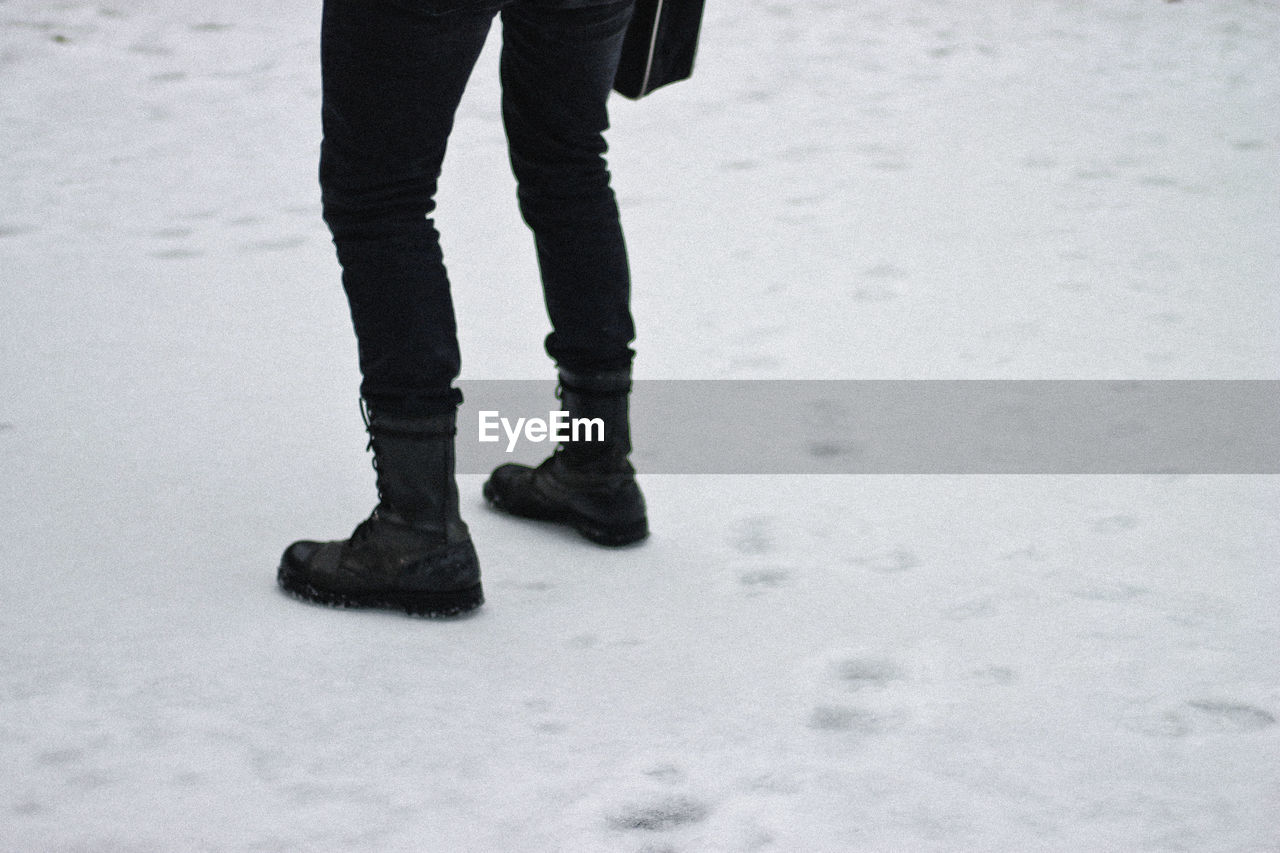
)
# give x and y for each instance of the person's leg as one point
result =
(393, 74)
(558, 63)
(557, 71)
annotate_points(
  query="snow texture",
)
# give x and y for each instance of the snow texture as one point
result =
(921, 189)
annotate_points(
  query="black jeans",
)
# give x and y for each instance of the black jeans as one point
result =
(394, 72)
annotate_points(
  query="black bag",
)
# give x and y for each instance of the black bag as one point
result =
(661, 41)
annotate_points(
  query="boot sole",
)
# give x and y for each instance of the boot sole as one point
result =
(611, 537)
(428, 604)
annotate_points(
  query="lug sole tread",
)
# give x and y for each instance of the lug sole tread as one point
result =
(609, 536)
(442, 604)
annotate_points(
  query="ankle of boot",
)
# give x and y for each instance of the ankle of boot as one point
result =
(413, 458)
(396, 426)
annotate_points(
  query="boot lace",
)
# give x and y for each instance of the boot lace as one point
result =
(367, 417)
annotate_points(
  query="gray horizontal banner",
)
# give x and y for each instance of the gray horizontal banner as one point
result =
(901, 426)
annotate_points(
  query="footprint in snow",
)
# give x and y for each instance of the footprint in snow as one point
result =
(888, 562)
(1110, 590)
(280, 245)
(172, 233)
(659, 814)
(873, 293)
(886, 272)
(150, 49)
(842, 718)
(995, 674)
(1200, 716)
(542, 718)
(1114, 524)
(860, 673)
(881, 706)
(758, 581)
(665, 772)
(1229, 716)
(974, 608)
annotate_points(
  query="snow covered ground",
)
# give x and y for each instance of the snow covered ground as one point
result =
(921, 189)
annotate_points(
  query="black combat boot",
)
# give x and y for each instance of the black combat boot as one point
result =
(588, 485)
(414, 552)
